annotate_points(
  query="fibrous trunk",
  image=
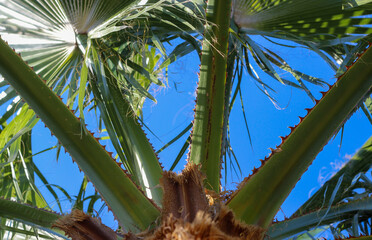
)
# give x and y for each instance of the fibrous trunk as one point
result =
(188, 213)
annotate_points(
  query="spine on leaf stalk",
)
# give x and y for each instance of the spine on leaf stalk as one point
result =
(209, 111)
(259, 197)
(134, 213)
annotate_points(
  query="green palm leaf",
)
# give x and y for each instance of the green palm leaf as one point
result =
(310, 20)
(320, 217)
(360, 163)
(336, 198)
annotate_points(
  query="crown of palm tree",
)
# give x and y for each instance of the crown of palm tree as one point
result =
(106, 54)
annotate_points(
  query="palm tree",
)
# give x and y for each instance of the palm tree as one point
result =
(110, 44)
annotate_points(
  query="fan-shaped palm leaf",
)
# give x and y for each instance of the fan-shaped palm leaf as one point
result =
(58, 38)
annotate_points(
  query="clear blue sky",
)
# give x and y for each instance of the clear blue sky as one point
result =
(174, 111)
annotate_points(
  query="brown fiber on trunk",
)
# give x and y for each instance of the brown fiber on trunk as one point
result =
(222, 227)
(227, 223)
(80, 226)
(183, 193)
(188, 215)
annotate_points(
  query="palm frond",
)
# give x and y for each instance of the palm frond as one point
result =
(309, 20)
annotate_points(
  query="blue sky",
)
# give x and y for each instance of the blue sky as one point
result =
(174, 111)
